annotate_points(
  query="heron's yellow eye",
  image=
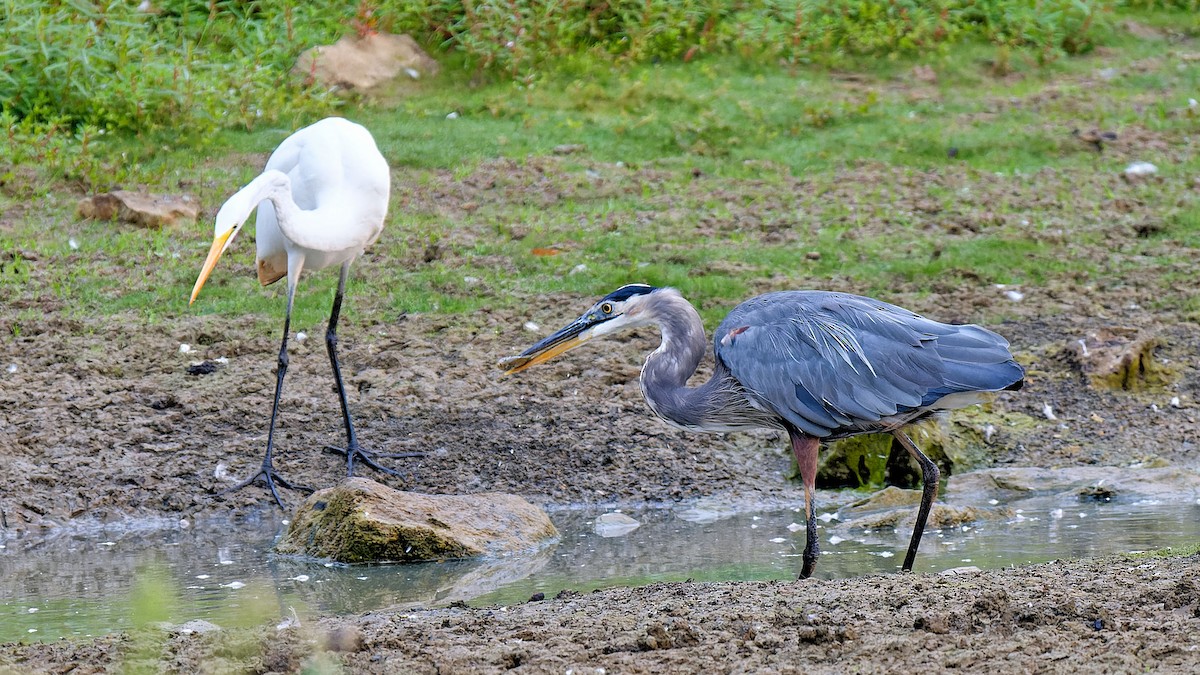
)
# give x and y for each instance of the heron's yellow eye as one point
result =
(606, 308)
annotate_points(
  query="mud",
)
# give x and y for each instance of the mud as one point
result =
(105, 422)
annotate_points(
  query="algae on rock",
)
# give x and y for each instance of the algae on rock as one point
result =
(361, 521)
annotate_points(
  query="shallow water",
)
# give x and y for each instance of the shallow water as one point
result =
(222, 572)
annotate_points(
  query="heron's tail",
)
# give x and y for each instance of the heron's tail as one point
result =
(975, 360)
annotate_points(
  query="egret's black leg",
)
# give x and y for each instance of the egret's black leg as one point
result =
(352, 449)
(930, 475)
(267, 471)
(806, 447)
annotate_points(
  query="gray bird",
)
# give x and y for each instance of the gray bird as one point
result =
(816, 364)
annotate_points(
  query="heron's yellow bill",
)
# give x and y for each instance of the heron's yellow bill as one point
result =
(214, 253)
(515, 364)
(576, 333)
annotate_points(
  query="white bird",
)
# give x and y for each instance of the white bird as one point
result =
(321, 200)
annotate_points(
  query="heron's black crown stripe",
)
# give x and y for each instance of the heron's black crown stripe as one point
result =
(628, 291)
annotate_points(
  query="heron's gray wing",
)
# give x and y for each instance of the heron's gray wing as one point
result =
(828, 361)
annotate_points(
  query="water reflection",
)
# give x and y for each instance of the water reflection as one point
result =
(222, 572)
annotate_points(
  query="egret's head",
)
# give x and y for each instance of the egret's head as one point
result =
(233, 215)
(627, 307)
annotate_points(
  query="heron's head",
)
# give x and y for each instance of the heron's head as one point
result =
(627, 307)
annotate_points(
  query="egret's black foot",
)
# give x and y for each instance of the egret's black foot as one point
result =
(271, 479)
(354, 453)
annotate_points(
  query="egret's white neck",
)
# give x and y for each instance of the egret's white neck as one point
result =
(300, 226)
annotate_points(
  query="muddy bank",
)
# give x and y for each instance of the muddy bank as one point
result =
(104, 423)
(1112, 615)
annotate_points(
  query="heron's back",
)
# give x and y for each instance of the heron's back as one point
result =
(834, 364)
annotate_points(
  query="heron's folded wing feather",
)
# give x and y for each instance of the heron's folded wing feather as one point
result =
(829, 360)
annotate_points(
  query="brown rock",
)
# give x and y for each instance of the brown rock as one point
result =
(144, 210)
(940, 516)
(365, 62)
(361, 521)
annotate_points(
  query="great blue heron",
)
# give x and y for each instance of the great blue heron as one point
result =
(816, 364)
(321, 201)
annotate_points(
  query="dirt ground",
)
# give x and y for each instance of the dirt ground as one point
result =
(105, 421)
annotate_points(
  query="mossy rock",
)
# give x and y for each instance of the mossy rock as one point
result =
(1122, 358)
(361, 521)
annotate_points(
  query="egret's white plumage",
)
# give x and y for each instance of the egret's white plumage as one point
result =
(322, 199)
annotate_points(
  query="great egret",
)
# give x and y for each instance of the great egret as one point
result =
(321, 200)
(816, 364)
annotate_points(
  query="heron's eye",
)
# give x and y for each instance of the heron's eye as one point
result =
(606, 308)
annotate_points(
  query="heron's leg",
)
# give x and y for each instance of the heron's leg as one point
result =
(267, 471)
(930, 475)
(806, 447)
(352, 448)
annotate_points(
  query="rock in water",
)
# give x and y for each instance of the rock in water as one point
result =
(614, 524)
(361, 521)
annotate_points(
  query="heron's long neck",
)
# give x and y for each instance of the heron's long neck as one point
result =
(668, 368)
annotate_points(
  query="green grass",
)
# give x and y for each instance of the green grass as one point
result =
(717, 176)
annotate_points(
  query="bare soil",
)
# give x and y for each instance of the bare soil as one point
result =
(104, 421)
(107, 420)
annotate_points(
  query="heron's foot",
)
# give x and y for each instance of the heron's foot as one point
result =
(356, 453)
(271, 478)
(806, 569)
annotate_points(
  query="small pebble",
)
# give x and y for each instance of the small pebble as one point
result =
(1139, 171)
